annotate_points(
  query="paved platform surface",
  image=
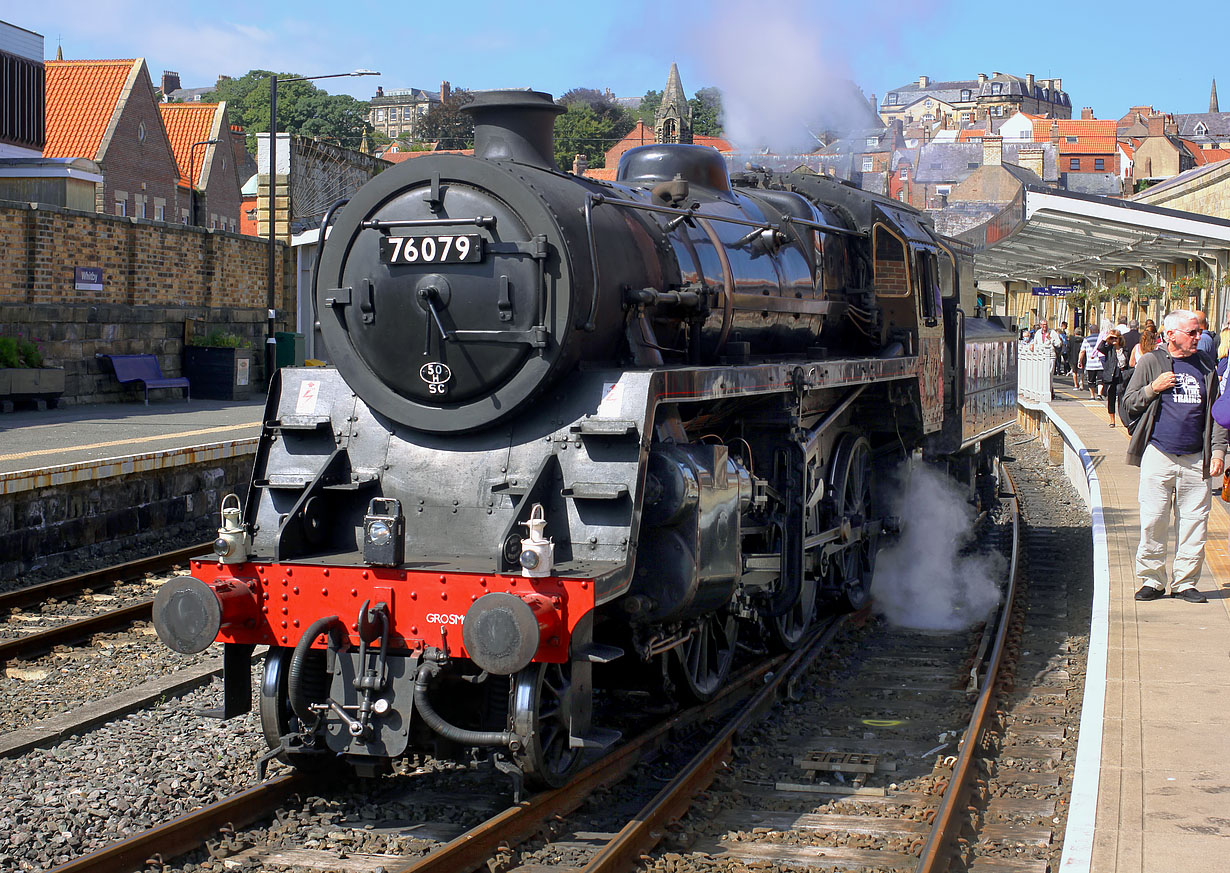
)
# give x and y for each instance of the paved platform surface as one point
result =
(1164, 789)
(84, 435)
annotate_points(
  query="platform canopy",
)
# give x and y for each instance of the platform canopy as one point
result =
(1047, 233)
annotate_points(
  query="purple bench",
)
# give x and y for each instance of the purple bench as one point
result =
(145, 369)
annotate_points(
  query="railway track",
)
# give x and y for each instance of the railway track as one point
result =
(858, 775)
(76, 629)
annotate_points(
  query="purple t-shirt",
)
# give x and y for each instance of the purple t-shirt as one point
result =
(1180, 418)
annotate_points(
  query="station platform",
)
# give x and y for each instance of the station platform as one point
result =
(1159, 795)
(91, 442)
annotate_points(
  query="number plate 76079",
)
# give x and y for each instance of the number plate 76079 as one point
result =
(461, 248)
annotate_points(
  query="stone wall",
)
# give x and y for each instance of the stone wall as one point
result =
(156, 277)
(42, 529)
(1206, 193)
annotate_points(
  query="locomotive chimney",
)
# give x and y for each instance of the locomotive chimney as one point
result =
(515, 126)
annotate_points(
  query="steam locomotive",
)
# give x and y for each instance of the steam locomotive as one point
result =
(579, 435)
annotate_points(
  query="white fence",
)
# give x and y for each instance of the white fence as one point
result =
(1033, 375)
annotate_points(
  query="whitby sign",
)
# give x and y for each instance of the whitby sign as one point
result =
(88, 278)
(1052, 290)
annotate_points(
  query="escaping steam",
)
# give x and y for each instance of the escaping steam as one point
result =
(783, 92)
(922, 581)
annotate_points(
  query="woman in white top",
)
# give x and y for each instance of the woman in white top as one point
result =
(1094, 360)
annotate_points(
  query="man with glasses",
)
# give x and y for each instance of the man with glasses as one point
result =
(1178, 448)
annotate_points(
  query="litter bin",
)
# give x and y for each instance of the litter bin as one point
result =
(290, 349)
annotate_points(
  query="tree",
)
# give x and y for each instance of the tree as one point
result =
(707, 112)
(303, 109)
(446, 125)
(649, 107)
(591, 125)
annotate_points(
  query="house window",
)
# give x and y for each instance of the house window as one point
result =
(1070, 139)
(901, 195)
(121, 207)
(891, 100)
(997, 88)
(966, 95)
(380, 115)
(1099, 163)
(905, 174)
(872, 142)
(868, 164)
(1074, 163)
(1201, 129)
(141, 208)
(141, 131)
(160, 212)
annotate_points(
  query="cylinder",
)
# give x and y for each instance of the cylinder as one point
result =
(502, 632)
(188, 613)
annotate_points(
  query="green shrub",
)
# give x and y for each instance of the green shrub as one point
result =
(29, 354)
(8, 352)
(221, 339)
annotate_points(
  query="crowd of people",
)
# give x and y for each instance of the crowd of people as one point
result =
(1168, 388)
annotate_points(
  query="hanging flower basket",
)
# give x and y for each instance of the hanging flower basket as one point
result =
(1121, 292)
(1075, 298)
(1149, 291)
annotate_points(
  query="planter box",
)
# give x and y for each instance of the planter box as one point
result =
(219, 373)
(23, 383)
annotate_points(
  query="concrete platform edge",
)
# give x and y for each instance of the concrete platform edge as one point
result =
(85, 471)
(1083, 802)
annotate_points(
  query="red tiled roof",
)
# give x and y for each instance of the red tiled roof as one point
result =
(188, 123)
(1206, 156)
(1094, 136)
(642, 134)
(397, 157)
(81, 98)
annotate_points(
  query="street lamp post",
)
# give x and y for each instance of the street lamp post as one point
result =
(271, 352)
(192, 179)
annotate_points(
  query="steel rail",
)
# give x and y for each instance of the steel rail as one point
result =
(516, 824)
(97, 578)
(75, 631)
(935, 851)
(188, 831)
(644, 831)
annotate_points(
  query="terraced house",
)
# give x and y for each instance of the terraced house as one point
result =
(999, 95)
(105, 111)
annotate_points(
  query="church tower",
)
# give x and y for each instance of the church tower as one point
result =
(672, 122)
(1213, 98)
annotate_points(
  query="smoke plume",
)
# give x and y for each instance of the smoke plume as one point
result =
(922, 580)
(780, 93)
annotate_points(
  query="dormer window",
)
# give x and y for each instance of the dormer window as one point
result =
(872, 142)
(966, 94)
(1046, 93)
(1201, 128)
(891, 100)
(997, 88)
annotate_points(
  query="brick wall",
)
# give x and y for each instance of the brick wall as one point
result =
(156, 277)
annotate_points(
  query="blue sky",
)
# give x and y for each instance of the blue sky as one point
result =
(1110, 56)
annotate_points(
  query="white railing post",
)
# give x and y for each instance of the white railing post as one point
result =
(1034, 370)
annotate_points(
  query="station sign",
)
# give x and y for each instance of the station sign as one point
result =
(1052, 290)
(88, 278)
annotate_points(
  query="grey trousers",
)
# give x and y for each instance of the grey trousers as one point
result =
(1172, 484)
